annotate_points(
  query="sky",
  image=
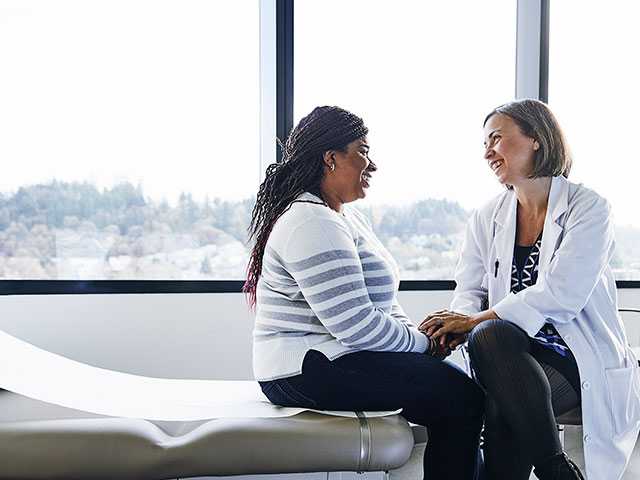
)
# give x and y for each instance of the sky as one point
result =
(594, 79)
(166, 93)
(163, 93)
(422, 77)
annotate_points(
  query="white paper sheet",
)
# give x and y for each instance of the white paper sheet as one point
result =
(36, 373)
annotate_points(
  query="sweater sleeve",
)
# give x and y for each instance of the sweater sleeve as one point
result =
(321, 256)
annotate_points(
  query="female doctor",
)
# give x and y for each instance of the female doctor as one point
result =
(535, 291)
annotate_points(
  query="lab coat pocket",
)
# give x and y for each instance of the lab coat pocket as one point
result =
(624, 397)
(484, 286)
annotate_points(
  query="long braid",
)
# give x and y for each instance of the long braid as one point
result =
(301, 170)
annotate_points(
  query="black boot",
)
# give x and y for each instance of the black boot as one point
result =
(558, 467)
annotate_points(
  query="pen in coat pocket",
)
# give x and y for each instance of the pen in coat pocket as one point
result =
(495, 274)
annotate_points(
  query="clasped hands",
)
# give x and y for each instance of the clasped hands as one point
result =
(446, 330)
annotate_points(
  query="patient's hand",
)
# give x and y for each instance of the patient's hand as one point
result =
(442, 347)
(456, 340)
(438, 349)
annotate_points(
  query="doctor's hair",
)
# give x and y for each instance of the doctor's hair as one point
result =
(535, 120)
(301, 170)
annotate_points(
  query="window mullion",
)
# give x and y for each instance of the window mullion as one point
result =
(532, 49)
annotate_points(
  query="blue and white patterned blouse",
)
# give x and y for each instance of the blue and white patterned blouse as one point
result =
(524, 273)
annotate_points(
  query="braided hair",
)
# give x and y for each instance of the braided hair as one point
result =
(301, 170)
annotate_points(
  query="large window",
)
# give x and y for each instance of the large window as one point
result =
(594, 73)
(423, 75)
(135, 132)
(130, 138)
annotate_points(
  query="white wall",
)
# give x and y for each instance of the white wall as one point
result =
(178, 335)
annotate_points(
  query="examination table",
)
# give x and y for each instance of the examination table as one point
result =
(44, 441)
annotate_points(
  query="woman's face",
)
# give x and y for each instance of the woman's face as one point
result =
(352, 173)
(509, 153)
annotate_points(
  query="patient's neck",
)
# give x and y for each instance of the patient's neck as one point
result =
(331, 197)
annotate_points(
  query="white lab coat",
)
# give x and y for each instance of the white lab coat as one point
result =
(576, 292)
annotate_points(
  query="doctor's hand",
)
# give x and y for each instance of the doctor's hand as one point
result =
(444, 322)
(423, 325)
(428, 327)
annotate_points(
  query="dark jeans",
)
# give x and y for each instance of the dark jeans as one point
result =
(430, 392)
(526, 385)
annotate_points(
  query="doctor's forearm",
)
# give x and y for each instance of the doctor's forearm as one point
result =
(484, 315)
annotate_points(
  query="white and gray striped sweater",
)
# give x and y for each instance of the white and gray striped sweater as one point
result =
(327, 284)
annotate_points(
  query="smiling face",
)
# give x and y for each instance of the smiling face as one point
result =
(350, 178)
(509, 153)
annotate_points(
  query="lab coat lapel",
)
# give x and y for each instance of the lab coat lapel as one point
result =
(556, 208)
(504, 240)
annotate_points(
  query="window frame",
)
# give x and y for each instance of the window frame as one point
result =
(276, 120)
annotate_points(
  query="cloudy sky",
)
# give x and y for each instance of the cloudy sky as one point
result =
(166, 93)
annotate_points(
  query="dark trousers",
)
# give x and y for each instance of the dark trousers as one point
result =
(526, 385)
(430, 392)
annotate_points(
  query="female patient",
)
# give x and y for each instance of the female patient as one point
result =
(329, 332)
(551, 339)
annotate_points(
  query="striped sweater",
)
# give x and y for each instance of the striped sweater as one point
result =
(327, 284)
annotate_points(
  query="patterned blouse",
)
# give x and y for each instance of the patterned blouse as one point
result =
(524, 273)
